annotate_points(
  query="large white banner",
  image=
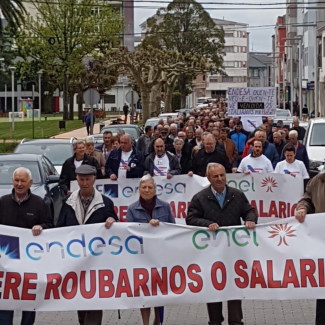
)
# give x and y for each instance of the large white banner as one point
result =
(135, 265)
(273, 195)
(252, 101)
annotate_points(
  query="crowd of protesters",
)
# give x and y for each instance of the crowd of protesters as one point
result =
(206, 143)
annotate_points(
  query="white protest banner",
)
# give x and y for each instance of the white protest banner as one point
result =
(250, 123)
(252, 101)
(271, 194)
(136, 265)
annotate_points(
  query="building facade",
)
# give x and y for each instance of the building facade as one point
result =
(259, 69)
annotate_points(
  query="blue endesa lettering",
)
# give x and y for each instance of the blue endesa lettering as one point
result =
(77, 248)
(168, 189)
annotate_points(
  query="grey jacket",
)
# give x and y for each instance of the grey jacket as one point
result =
(161, 212)
(205, 209)
(141, 145)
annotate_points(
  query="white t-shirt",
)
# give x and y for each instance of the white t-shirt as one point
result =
(255, 165)
(124, 160)
(294, 169)
(78, 163)
(161, 166)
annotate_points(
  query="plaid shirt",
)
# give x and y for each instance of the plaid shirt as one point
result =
(86, 203)
(15, 198)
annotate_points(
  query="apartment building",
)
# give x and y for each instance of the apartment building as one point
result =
(235, 60)
(260, 69)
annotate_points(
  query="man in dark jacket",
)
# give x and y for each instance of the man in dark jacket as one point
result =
(209, 154)
(125, 162)
(126, 112)
(301, 151)
(221, 206)
(23, 209)
(87, 121)
(301, 131)
(145, 140)
(169, 143)
(106, 146)
(161, 162)
(278, 142)
(87, 206)
(69, 167)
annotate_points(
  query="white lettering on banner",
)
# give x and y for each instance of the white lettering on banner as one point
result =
(251, 101)
(270, 194)
(131, 265)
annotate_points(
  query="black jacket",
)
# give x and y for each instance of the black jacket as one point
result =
(68, 172)
(32, 212)
(201, 160)
(174, 165)
(185, 159)
(279, 147)
(136, 163)
(169, 145)
(205, 209)
(301, 132)
(68, 217)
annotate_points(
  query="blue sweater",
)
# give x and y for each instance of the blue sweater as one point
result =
(240, 140)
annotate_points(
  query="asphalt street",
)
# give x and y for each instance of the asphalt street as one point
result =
(257, 312)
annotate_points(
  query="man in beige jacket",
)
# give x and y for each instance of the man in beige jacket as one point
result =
(91, 151)
(313, 202)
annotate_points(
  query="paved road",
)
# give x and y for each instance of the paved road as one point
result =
(257, 312)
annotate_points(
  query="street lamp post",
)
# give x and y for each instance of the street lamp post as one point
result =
(39, 94)
(13, 69)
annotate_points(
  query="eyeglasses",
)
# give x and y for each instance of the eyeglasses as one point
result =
(163, 132)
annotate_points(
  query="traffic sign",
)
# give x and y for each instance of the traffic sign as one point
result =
(132, 100)
(91, 97)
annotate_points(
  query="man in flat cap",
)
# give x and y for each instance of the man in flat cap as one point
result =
(82, 207)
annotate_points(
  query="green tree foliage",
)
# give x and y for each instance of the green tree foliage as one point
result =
(64, 32)
(13, 11)
(184, 26)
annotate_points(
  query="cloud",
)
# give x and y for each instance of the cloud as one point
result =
(260, 38)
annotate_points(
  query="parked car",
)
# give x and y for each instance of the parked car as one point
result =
(187, 111)
(134, 130)
(152, 122)
(45, 178)
(283, 113)
(165, 115)
(56, 150)
(202, 100)
(315, 144)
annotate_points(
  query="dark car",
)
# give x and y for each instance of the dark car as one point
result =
(133, 130)
(56, 150)
(45, 178)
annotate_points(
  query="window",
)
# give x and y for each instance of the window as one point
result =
(109, 99)
(229, 49)
(229, 64)
(236, 49)
(227, 79)
(255, 73)
(203, 78)
(213, 79)
(229, 34)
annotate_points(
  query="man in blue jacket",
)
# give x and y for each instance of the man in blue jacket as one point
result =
(125, 162)
(301, 151)
(87, 121)
(269, 149)
(87, 206)
(239, 136)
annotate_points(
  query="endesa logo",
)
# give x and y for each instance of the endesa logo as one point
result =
(9, 247)
(110, 190)
(79, 248)
(168, 188)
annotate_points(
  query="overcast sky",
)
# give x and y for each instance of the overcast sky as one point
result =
(260, 38)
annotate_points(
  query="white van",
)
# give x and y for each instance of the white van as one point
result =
(315, 144)
(202, 100)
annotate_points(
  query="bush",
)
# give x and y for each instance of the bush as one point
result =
(8, 147)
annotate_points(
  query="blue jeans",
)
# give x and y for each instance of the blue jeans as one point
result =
(7, 316)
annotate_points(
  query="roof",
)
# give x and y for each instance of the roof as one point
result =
(20, 157)
(42, 141)
(228, 22)
(259, 59)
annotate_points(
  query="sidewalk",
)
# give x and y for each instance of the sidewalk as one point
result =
(81, 133)
(256, 312)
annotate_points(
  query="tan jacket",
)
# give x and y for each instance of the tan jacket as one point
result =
(231, 150)
(100, 158)
(313, 200)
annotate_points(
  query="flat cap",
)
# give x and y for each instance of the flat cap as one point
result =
(86, 170)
